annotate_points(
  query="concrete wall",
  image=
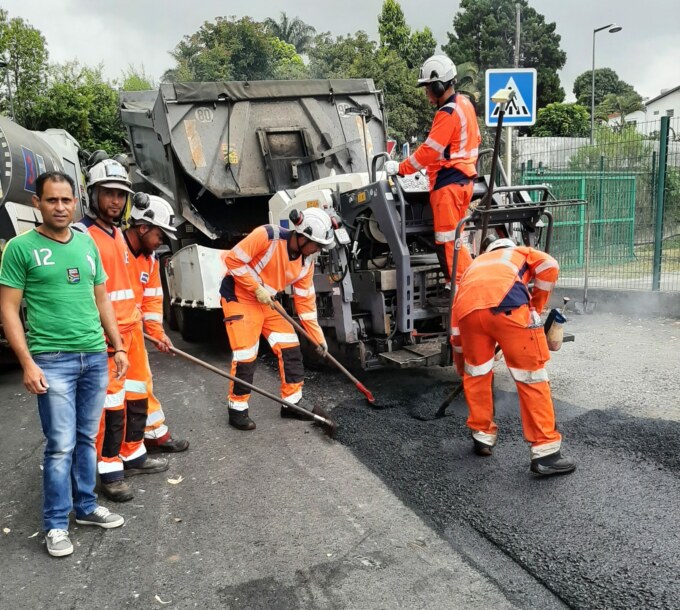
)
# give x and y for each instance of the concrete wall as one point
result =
(629, 302)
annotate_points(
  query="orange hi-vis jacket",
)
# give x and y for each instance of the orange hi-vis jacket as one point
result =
(452, 146)
(262, 258)
(116, 261)
(498, 281)
(146, 282)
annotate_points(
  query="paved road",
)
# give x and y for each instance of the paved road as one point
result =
(397, 514)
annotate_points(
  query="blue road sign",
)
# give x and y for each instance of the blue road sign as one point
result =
(521, 111)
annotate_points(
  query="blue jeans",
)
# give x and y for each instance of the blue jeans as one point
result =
(70, 413)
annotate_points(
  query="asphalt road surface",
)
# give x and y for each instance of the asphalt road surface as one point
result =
(397, 513)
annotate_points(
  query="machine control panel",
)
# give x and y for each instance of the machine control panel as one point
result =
(414, 183)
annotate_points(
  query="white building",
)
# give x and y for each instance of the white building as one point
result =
(667, 103)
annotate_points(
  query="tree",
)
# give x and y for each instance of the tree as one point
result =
(395, 34)
(606, 82)
(484, 34)
(25, 50)
(567, 120)
(231, 49)
(618, 149)
(620, 105)
(79, 100)
(293, 31)
(137, 80)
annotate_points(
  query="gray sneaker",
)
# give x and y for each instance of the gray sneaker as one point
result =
(102, 517)
(58, 543)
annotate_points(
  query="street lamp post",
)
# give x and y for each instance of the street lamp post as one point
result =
(613, 28)
(4, 64)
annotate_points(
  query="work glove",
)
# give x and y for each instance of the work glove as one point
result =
(263, 296)
(534, 319)
(391, 168)
(322, 350)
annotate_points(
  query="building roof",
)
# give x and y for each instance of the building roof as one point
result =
(662, 95)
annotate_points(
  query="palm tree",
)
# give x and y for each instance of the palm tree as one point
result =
(466, 80)
(622, 105)
(293, 31)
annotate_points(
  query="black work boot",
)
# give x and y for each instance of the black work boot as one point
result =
(118, 491)
(480, 448)
(240, 420)
(555, 463)
(150, 465)
(288, 413)
(169, 445)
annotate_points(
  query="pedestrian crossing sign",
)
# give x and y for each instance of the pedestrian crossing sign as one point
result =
(521, 110)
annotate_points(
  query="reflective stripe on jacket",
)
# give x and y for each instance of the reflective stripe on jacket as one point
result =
(262, 258)
(499, 280)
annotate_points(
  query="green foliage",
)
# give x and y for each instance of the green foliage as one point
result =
(395, 35)
(357, 56)
(79, 100)
(620, 149)
(484, 34)
(137, 80)
(567, 120)
(292, 31)
(618, 104)
(606, 82)
(25, 50)
(231, 49)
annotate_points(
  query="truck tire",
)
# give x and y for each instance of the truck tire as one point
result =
(190, 323)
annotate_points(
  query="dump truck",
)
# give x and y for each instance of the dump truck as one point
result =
(234, 155)
(25, 155)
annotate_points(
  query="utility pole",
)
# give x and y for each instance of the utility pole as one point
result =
(508, 130)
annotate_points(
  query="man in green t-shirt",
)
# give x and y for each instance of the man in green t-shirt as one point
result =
(58, 273)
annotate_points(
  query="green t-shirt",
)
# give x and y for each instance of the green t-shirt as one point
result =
(58, 282)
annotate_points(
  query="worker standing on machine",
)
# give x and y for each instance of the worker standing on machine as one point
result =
(450, 155)
(151, 218)
(262, 264)
(494, 306)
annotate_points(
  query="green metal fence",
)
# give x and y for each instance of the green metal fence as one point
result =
(630, 178)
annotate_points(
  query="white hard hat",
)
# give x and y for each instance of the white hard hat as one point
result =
(504, 242)
(436, 68)
(109, 173)
(155, 211)
(315, 224)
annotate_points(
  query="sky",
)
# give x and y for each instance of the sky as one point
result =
(118, 34)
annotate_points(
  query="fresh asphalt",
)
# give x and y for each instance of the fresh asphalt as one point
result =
(397, 513)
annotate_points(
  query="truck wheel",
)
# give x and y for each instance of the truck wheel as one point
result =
(189, 323)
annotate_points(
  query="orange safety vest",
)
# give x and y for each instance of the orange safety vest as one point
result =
(116, 261)
(146, 283)
(262, 258)
(452, 146)
(499, 280)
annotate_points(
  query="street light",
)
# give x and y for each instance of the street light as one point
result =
(612, 28)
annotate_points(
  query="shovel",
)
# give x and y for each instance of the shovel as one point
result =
(360, 386)
(329, 426)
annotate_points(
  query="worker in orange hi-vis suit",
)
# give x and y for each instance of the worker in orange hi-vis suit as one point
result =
(450, 155)
(120, 443)
(150, 219)
(493, 306)
(262, 264)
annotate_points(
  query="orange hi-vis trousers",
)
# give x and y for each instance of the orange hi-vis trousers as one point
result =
(449, 206)
(120, 441)
(245, 322)
(526, 353)
(156, 429)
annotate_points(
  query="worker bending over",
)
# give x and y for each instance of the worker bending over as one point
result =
(493, 306)
(258, 267)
